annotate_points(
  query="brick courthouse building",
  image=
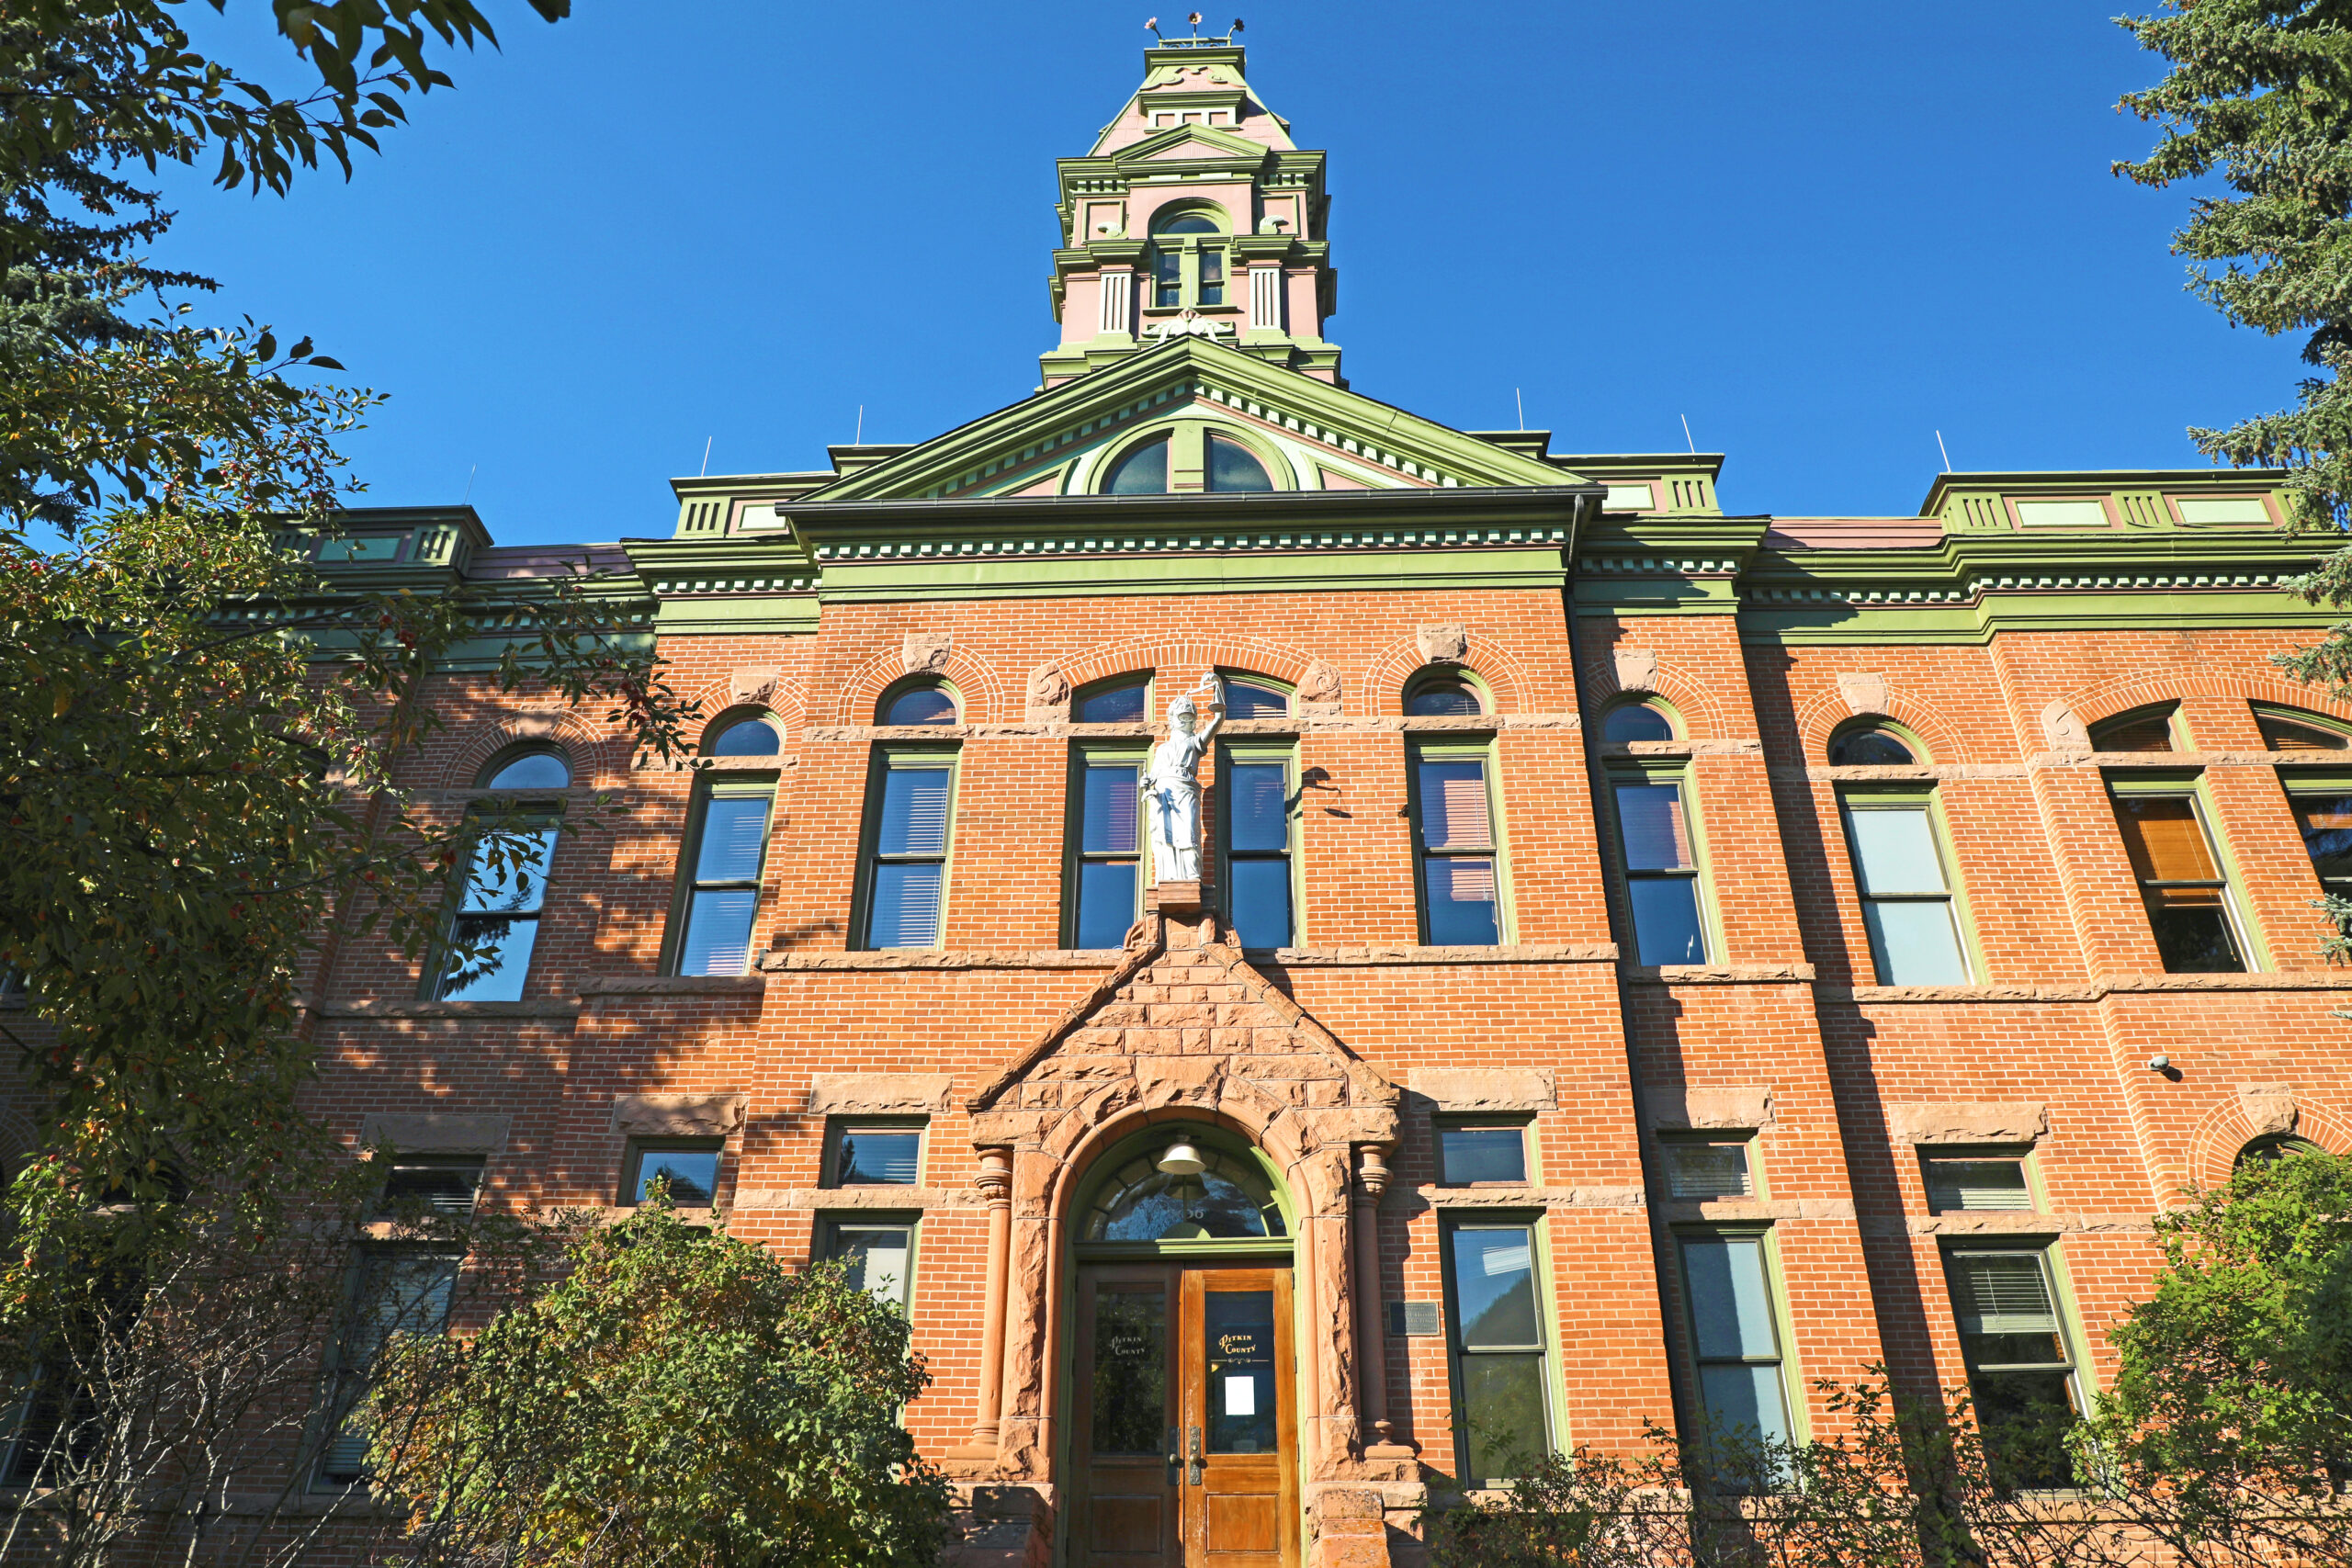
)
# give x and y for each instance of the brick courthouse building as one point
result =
(1646, 958)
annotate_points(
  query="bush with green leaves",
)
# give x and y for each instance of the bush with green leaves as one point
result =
(679, 1397)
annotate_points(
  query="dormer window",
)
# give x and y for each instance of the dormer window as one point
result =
(1188, 261)
(1143, 472)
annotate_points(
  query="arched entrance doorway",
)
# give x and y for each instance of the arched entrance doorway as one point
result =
(1183, 1393)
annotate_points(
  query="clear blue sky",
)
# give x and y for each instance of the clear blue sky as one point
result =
(1822, 231)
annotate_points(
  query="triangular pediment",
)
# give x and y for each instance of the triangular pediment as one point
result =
(1191, 142)
(1046, 444)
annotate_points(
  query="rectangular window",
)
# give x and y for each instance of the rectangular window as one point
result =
(1107, 866)
(2020, 1375)
(2189, 908)
(1467, 1154)
(497, 917)
(1497, 1327)
(392, 1293)
(1906, 897)
(436, 1184)
(907, 879)
(729, 848)
(689, 1165)
(1212, 276)
(1661, 871)
(1167, 276)
(1961, 1182)
(1702, 1170)
(874, 1153)
(2326, 822)
(880, 1255)
(1461, 882)
(1256, 848)
(1735, 1341)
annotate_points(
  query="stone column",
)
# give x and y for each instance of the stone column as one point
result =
(1372, 1334)
(995, 1182)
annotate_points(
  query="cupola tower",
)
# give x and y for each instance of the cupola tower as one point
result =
(1193, 213)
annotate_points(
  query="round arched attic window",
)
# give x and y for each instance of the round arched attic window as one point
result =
(1441, 696)
(1142, 471)
(1629, 722)
(541, 768)
(1245, 697)
(1233, 467)
(1872, 746)
(747, 738)
(1114, 701)
(928, 703)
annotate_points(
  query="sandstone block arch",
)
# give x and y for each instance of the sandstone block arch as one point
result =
(1181, 659)
(975, 679)
(1382, 689)
(2090, 704)
(589, 748)
(1602, 681)
(1826, 711)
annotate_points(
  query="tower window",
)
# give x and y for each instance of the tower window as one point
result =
(1188, 260)
(1143, 472)
(1233, 466)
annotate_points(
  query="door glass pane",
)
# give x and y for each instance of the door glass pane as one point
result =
(1650, 822)
(1462, 902)
(1502, 1400)
(734, 832)
(1259, 815)
(719, 932)
(1107, 902)
(1744, 1401)
(1454, 806)
(1239, 1328)
(1666, 920)
(1482, 1153)
(1730, 1312)
(877, 1260)
(914, 812)
(1493, 1286)
(1895, 851)
(1111, 798)
(1915, 943)
(1130, 1369)
(906, 905)
(1262, 902)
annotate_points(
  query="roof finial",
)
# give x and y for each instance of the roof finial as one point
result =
(1152, 26)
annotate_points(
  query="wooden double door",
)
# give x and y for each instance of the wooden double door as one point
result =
(1187, 1425)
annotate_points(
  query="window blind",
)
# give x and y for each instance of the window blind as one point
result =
(1707, 1170)
(906, 904)
(1111, 818)
(734, 838)
(914, 812)
(2165, 840)
(1462, 881)
(1454, 806)
(1651, 821)
(1978, 1184)
(2001, 1292)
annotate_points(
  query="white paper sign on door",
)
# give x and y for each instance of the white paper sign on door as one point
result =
(1242, 1395)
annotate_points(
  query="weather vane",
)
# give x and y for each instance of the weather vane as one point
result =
(1152, 25)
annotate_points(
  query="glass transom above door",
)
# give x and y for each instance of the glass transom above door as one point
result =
(1229, 1199)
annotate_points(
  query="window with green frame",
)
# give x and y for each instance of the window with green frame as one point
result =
(2192, 912)
(2020, 1367)
(909, 810)
(719, 893)
(1259, 822)
(2323, 808)
(1461, 866)
(1657, 853)
(1102, 845)
(1735, 1349)
(1903, 874)
(1188, 260)
(494, 921)
(1495, 1331)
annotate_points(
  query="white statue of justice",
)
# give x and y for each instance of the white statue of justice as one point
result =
(1171, 792)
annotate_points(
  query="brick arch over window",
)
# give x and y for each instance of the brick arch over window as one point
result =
(16, 1141)
(584, 746)
(2094, 705)
(2230, 1125)
(1828, 711)
(1181, 659)
(751, 690)
(1702, 717)
(975, 679)
(1396, 665)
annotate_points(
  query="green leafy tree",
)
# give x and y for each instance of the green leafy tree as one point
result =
(680, 1397)
(2232, 1407)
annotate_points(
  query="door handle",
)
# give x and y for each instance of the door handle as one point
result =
(1194, 1475)
(1175, 1454)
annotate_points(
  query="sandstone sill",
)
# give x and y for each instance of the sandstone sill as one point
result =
(1716, 973)
(2093, 990)
(659, 987)
(1349, 957)
(1082, 959)
(377, 1008)
(883, 1199)
(2008, 1225)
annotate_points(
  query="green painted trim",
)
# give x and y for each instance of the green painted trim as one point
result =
(1916, 793)
(885, 755)
(1676, 770)
(1262, 750)
(1475, 746)
(2192, 783)
(1084, 751)
(752, 784)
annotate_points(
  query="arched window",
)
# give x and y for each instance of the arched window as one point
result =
(2296, 731)
(1246, 698)
(747, 738)
(2271, 1148)
(1114, 701)
(926, 702)
(1187, 259)
(2141, 729)
(1871, 746)
(539, 768)
(1441, 696)
(1233, 466)
(1635, 721)
(1143, 472)
(1228, 1198)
